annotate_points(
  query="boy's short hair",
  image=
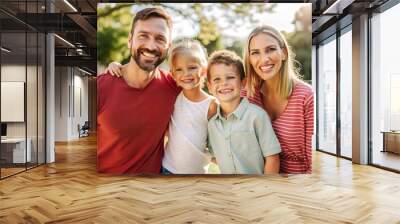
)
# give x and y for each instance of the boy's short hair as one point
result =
(228, 58)
(148, 13)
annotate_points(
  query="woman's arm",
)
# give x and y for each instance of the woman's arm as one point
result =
(309, 129)
(271, 164)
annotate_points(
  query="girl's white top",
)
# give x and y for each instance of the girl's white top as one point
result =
(187, 137)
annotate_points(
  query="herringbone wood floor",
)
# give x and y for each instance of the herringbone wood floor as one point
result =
(71, 191)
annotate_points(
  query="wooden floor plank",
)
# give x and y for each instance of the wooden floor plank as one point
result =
(71, 191)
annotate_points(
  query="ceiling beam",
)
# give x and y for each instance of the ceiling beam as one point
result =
(337, 7)
(86, 27)
(81, 61)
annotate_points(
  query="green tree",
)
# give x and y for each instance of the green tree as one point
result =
(237, 47)
(112, 34)
(209, 35)
(300, 41)
(114, 23)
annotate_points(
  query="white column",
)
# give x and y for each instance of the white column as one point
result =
(50, 94)
(314, 86)
(360, 90)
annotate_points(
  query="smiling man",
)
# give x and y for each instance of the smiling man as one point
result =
(133, 112)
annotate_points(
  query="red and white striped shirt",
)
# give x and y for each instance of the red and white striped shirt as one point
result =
(294, 129)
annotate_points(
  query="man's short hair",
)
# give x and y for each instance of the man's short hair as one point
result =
(148, 13)
(228, 58)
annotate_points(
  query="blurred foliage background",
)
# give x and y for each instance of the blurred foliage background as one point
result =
(114, 24)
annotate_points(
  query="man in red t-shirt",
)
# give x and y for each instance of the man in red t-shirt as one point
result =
(134, 111)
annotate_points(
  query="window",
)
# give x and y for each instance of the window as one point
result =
(22, 68)
(327, 96)
(346, 93)
(385, 85)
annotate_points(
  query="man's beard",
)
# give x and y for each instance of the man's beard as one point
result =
(148, 67)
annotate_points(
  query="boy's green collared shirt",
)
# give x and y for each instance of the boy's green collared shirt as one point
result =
(242, 140)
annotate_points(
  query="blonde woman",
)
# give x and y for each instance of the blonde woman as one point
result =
(273, 84)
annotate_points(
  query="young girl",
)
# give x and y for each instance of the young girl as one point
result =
(185, 152)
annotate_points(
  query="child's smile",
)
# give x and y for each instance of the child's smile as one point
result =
(188, 80)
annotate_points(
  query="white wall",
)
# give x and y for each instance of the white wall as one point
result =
(33, 126)
(61, 103)
(13, 73)
(71, 93)
(81, 101)
(12, 100)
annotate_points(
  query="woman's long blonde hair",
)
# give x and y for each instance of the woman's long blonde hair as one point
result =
(288, 74)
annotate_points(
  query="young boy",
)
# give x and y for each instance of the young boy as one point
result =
(240, 135)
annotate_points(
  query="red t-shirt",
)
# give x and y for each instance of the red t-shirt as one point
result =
(131, 123)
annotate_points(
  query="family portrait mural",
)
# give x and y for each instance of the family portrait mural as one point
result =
(202, 88)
